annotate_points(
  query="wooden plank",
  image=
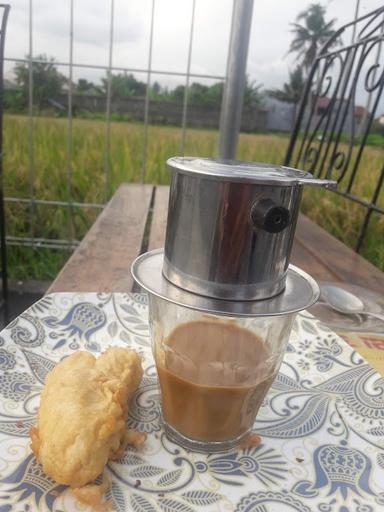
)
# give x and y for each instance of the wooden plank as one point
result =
(304, 259)
(159, 218)
(340, 260)
(102, 261)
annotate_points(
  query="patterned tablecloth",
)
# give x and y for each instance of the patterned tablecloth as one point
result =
(322, 423)
(370, 345)
(364, 333)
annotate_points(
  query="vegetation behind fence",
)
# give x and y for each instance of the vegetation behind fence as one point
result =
(338, 215)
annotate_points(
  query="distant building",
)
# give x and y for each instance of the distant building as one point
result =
(280, 114)
(350, 117)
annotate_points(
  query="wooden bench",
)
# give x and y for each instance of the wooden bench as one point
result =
(134, 221)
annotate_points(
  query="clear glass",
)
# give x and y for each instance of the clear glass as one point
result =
(214, 371)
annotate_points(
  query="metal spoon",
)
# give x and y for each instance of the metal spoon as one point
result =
(345, 302)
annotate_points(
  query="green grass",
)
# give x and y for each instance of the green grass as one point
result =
(375, 139)
(89, 182)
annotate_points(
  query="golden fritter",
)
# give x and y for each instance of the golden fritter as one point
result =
(83, 408)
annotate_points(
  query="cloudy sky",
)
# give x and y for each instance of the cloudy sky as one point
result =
(268, 62)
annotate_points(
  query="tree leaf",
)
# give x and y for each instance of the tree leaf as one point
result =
(116, 494)
(112, 328)
(141, 327)
(201, 498)
(129, 309)
(169, 478)
(309, 327)
(144, 341)
(171, 505)
(376, 431)
(131, 319)
(124, 336)
(145, 471)
(140, 503)
(131, 459)
(380, 460)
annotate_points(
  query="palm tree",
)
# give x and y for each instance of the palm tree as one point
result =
(311, 31)
(292, 90)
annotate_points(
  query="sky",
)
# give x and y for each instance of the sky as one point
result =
(268, 62)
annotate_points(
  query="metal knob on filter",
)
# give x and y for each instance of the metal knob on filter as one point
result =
(269, 216)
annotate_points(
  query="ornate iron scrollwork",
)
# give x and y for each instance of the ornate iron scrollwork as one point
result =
(331, 130)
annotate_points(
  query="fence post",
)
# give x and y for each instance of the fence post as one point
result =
(232, 103)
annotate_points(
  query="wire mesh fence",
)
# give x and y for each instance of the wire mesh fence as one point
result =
(69, 201)
(72, 206)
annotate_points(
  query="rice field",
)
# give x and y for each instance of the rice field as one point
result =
(85, 179)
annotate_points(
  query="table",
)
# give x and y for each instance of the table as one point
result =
(134, 221)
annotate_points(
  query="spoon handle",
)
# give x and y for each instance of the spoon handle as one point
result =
(380, 316)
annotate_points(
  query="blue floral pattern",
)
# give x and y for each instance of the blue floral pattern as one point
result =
(28, 479)
(343, 469)
(16, 386)
(7, 360)
(322, 423)
(27, 331)
(256, 502)
(265, 464)
(82, 319)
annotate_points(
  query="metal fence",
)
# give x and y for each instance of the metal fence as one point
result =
(326, 139)
(228, 135)
(4, 10)
(70, 242)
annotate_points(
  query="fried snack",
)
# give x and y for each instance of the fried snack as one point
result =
(92, 495)
(83, 408)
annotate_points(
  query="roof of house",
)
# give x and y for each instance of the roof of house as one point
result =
(323, 102)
